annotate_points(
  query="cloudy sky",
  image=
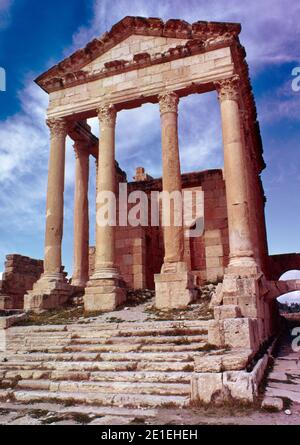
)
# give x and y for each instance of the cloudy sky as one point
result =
(34, 35)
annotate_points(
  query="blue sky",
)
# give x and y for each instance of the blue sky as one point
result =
(34, 35)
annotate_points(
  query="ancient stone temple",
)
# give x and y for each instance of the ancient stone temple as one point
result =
(148, 61)
(143, 61)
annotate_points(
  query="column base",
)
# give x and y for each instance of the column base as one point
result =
(49, 292)
(79, 283)
(104, 294)
(243, 266)
(174, 287)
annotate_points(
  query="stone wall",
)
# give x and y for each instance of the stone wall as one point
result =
(20, 274)
(140, 250)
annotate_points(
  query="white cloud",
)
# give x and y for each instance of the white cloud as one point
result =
(281, 103)
(269, 33)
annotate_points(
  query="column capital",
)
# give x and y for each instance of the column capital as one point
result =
(80, 149)
(58, 127)
(228, 89)
(107, 115)
(168, 102)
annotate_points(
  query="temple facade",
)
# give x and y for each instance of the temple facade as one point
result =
(140, 61)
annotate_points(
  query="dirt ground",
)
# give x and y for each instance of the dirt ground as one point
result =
(45, 414)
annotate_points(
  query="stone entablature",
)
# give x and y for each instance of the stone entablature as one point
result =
(198, 36)
(143, 84)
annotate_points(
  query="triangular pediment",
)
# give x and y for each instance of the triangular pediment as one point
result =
(130, 47)
(132, 37)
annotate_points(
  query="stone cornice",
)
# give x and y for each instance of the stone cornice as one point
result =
(168, 102)
(202, 36)
(58, 127)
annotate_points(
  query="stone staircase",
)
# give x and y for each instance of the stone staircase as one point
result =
(101, 364)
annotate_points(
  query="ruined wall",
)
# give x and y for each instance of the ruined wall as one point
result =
(140, 250)
(20, 274)
(209, 253)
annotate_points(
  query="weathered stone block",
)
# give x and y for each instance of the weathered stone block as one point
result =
(228, 311)
(272, 404)
(208, 363)
(240, 332)
(239, 385)
(216, 333)
(207, 387)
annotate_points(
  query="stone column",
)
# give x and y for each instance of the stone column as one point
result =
(81, 216)
(105, 289)
(242, 260)
(173, 235)
(55, 198)
(106, 182)
(52, 289)
(174, 286)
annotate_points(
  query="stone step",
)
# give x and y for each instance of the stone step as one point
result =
(121, 335)
(138, 365)
(103, 399)
(168, 347)
(111, 345)
(98, 376)
(94, 356)
(122, 348)
(147, 340)
(80, 409)
(153, 388)
(150, 327)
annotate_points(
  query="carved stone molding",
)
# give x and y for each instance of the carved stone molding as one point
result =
(58, 127)
(69, 71)
(228, 89)
(168, 102)
(107, 115)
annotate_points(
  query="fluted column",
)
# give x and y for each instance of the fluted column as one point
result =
(81, 216)
(173, 235)
(241, 248)
(106, 182)
(55, 198)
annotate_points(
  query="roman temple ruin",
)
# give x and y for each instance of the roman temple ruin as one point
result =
(144, 60)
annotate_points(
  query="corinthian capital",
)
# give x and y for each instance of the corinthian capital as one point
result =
(107, 115)
(58, 127)
(81, 150)
(168, 102)
(228, 89)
